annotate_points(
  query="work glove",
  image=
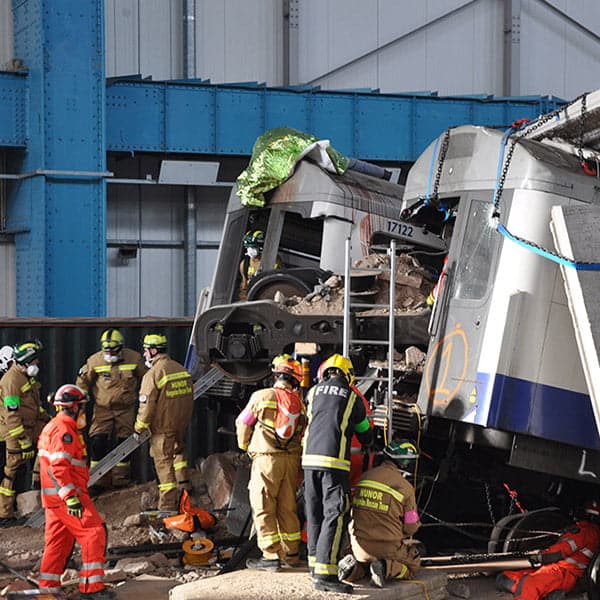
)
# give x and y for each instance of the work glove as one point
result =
(27, 449)
(74, 507)
(535, 559)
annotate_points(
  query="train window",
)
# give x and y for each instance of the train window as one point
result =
(300, 243)
(473, 268)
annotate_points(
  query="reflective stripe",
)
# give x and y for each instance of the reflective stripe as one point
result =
(26, 387)
(268, 404)
(127, 367)
(141, 424)
(316, 460)
(572, 544)
(91, 579)
(382, 487)
(587, 552)
(122, 464)
(103, 368)
(54, 456)
(6, 491)
(49, 491)
(165, 487)
(311, 561)
(172, 377)
(268, 539)
(16, 431)
(91, 566)
(578, 564)
(402, 573)
(50, 590)
(325, 569)
(180, 465)
(64, 491)
(50, 576)
(344, 425)
(291, 537)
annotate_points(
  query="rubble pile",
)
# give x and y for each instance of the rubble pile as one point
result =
(413, 285)
(21, 547)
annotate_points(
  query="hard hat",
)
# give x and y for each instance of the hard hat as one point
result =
(155, 340)
(254, 238)
(402, 452)
(592, 509)
(27, 352)
(284, 364)
(6, 356)
(341, 364)
(111, 340)
(68, 395)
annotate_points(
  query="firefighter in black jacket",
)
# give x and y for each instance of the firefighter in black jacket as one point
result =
(335, 413)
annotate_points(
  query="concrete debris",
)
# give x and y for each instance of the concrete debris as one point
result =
(458, 589)
(138, 568)
(28, 502)
(113, 575)
(413, 285)
(218, 471)
(414, 357)
(70, 577)
(133, 520)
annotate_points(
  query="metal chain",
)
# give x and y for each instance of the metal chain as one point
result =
(488, 499)
(440, 165)
(515, 138)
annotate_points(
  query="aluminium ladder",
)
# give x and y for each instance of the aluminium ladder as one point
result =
(349, 341)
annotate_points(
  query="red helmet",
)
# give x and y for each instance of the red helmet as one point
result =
(286, 365)
(69, 395)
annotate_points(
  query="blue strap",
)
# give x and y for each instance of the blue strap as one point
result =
(553, 257)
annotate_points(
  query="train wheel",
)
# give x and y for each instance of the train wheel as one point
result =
(592, 577)
(536, 529)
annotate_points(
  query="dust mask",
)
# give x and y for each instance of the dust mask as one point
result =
(110, 358)
(148, 363)
(32, 370)
(252, 252)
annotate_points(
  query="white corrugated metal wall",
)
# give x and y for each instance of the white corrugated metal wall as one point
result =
(450, 46)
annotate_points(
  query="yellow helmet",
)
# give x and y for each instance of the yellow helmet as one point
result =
(341, 364)
(111, 339)
(155, 340)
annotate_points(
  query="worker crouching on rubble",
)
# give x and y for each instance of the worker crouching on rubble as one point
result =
(112, 376)
(384, 517)
(556, 570)
(270, 428)
(70, 513)
(166, 404)
(335, 413)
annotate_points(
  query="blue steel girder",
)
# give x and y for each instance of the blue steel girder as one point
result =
(13, 89)
(219, 119)
(58, 215)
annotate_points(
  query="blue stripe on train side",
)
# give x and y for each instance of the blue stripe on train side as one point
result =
(543, 411)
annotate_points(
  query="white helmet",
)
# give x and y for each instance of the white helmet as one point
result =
(6, 356)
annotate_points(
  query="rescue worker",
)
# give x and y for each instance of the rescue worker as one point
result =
(254, 242)
(384, 517)
(275, 464)
(556, 569)
(6, 357)
(165, 407)
(112, 375)
(70, 513)
(22, 418)
(334, 414)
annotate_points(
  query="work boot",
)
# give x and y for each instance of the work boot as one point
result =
(377, 568)
(104, 594)
(556, 595)
(330, 583)
(346, 566)
(11, 521)
(263, 564)
(292, 561)
(504, 583)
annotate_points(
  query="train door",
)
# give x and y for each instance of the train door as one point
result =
(451, 379)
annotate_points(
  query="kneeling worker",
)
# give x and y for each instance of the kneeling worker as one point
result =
(384, 516)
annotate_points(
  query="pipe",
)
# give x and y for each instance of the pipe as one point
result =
(189, 39)
(189, 252)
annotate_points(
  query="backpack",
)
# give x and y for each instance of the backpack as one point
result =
(290, 416)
